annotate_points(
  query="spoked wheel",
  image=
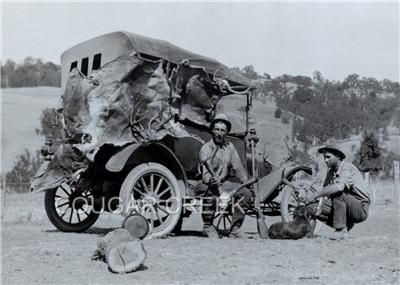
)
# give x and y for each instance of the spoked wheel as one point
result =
(70, 210)
(152, 190)
(222, 221)
(290, 200)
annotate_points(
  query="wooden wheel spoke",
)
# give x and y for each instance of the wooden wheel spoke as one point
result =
(63, 204)
(137, 190)
(163, 209)
(78, 216)
(163, 192)
(65, 191)
(70, 216)
(65, 212)
(152, 182)
(158, 185)
(158, 216)
(86, 213)
(219, 221)
(61, 197)
(144, 185)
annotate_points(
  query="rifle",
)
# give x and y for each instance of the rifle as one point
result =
(261, 225)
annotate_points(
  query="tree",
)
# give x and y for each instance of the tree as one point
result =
(7, 70)
(31, 72)
(25, 167)
(318, 78)
(369, 156)
(370, 84)
(278, 113)
(249, 72)
(304, 81)
(302, 94)
(266, 76)
(352, 81)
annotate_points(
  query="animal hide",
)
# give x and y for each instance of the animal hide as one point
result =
(132, 99)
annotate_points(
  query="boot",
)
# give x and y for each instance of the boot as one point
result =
(210, 232)
(350, 226)
(236, 232)
(339, 234)
(313, 223)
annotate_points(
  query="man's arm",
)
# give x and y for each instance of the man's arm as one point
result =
(326, 191)
(208, 175)
(203, 157)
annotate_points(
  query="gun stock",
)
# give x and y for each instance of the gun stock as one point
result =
(261, 224)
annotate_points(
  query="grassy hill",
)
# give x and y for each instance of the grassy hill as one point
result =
(270, 130)
(20, 113)
(22, 107)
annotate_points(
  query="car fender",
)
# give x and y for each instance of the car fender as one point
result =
(148, 152)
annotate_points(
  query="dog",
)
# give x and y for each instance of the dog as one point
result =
(298, 228)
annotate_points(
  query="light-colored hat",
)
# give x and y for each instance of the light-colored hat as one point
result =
(221, 117)
(332, 149)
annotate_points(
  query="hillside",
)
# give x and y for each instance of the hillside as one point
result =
(270, 130)
(21, 110)
(20, 114)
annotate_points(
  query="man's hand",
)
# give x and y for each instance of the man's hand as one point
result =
(223, 200)
(307, 199)
(215, 181)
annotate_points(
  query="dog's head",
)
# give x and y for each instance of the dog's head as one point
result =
(301, 211)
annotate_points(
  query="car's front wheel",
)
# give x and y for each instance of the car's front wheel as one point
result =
(70, 210)
(152, 190)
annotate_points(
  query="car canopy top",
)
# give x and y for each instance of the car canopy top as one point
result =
(175, 54)
(113, 45)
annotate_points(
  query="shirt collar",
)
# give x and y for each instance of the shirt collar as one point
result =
(340, 168)
(217, 146)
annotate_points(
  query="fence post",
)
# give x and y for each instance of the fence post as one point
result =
(366, 178)
(3, 189)
(396, 174)
(367, 181)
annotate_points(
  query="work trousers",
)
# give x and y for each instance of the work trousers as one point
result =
(241, 202)
(343, 210)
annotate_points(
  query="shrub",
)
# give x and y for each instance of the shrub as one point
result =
(25, 167)
(300, 157)
(285, 118)
(369, 157)
(278, 113)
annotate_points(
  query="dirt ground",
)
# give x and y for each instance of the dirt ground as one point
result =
(34, 252)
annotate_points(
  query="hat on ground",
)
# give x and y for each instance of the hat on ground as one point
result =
(332, 149)
(221, 118)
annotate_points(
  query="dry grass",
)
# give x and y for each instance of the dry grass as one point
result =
(21, 110)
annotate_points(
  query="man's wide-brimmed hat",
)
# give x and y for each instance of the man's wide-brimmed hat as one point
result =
(332, 149)
(221, 118)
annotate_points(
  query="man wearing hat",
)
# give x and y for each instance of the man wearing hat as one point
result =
(219, 159)
(348, 201)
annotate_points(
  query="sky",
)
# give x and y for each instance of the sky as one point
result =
(335, 38)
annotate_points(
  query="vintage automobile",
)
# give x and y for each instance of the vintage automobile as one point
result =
(135, 112)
